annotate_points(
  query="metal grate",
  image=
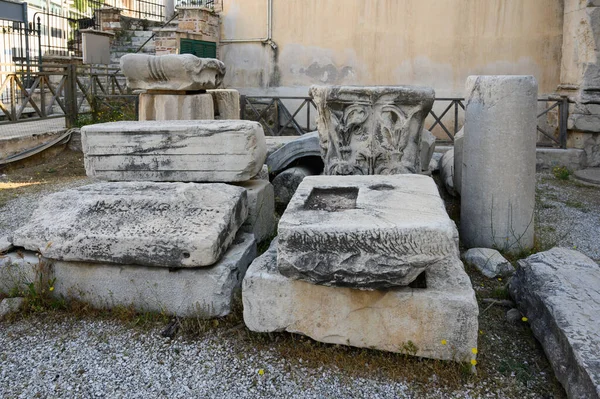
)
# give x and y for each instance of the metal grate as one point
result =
(195, 3)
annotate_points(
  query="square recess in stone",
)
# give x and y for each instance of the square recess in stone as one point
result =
(332, 199)
(366, 232)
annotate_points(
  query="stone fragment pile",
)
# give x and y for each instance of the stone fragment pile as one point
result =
(180, 87)
(177, 225)
(369, 261)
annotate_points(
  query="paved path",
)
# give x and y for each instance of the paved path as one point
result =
(24, 129)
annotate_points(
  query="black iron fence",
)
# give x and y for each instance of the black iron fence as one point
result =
(195, 3)
(295, 116)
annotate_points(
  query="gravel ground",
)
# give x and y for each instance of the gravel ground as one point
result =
(84, 355)
(106, 359)
(568, 215)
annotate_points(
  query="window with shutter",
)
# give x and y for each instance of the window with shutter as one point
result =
(198, 47)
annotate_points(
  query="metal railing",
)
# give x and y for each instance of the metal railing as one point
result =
(258, 108)
(61, 91)
(270, 111)
(195, 3)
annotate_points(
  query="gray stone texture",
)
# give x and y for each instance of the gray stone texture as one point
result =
(498, 175)
(489, 262)
(199, 292)
(286, 183)
(5, 245)
(10, 305)
(447, 172)
(458, 159)
(198, 151)
(427, 148)
(164, 107)
(559, 292)
(368, 130)
(366, 232)
(591, 175)
(19, 269)
(227, 103)
(261, 209)
(549, 158)
(150, 224)
(304, 146)
(393, 320)
(173, 72)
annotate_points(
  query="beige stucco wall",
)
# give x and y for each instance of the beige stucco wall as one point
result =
(437, 43)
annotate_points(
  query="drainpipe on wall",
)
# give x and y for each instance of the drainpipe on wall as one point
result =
(267, 40)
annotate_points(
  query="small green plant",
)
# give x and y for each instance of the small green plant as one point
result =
(561, 172)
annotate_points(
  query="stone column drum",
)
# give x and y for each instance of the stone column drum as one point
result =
(498, 176)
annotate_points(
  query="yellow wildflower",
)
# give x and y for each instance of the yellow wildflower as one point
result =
(51, 289)
(261, 372)
(474, 350)
(524, 318)
(444, 342)
(474, 362)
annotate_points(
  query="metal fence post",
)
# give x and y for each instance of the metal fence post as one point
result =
(242, 106)
(71, 96)
(564, 120)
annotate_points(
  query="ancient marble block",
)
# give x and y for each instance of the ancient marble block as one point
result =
(198, 151)
(559, 292)
(174, 72)
(406, 320)
(227, 103)
(191, 292)
(18, 270)
(371, 130)
(498, 158)
(367, 232)
(261, 208)
(162, 107)
(142, 223)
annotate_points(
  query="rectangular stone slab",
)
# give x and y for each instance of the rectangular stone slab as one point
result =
(404, 320)
(151, 224)
(199, 151)
(559, 292)
(200, 292)
(366, 232)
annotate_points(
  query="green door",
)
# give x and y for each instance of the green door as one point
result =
(198, 47)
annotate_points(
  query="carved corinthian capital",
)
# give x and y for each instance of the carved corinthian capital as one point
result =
(371, 130)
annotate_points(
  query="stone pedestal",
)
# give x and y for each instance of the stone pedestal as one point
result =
(407, 320)
(367, 232)
(162, 107)
(498, 175)
(261, 209)
(227, 103)
(371, 130)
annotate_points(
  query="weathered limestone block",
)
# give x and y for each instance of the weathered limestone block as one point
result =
(227, 103)
(199, 151)
(489, 262)
(499, 157)
(447, 172)
(18, 270)
(427, 148)
(394, 320)
(559, 292)
(10, 305)
(163, 107)
(261, 209)
(150, 224)
(371, 130)
(458, 159)
(365, 232)
(200, 292)
(5, 245)
(263, 174)
(174, 72)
